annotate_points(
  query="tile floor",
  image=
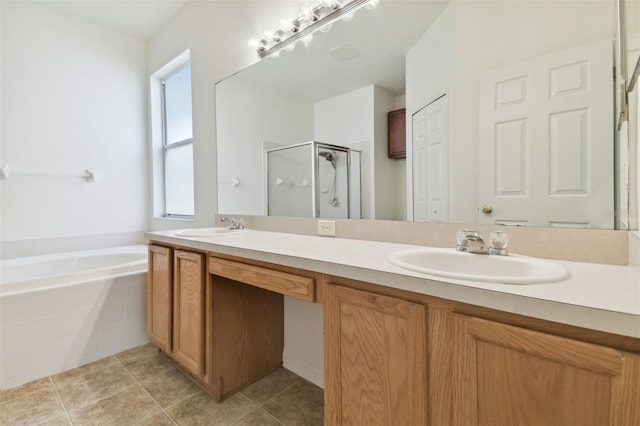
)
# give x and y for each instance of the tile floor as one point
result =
(140, 387)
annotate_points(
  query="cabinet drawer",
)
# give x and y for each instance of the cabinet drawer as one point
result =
(285, 283)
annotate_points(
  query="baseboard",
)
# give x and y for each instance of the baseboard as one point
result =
(308, 372)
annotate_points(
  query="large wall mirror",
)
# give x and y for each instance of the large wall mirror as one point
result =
(509, 118)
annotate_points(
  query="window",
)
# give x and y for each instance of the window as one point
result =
(177, 144)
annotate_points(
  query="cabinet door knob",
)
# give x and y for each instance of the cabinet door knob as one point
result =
(486, 209)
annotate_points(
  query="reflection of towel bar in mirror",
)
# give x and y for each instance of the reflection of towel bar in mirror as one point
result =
(6, 173)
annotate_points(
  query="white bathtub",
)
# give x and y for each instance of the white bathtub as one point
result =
(64, 310)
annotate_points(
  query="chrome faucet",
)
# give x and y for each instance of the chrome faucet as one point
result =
(233, 224)
(473, 242)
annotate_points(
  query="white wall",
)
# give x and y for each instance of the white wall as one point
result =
(386, 197)
(248, 114)
(73, 98)
(216, 34)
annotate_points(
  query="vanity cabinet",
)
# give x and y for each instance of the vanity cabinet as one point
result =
(160, 296)
(396, 357)
(505, 375)
(189, 311)
(391, 356)
(218, 319)
(176, 308)
(375, 359)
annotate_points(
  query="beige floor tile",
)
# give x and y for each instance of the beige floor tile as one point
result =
(202, 409)
(79, 390)
(142, 350)
(128, 407)
(58, 421)
(147, 364)
(32, 409)
(270, 386)
(27, 388)
(300, 405)
(169, 388)
(258, 417)
(157, 420)
(85, 369)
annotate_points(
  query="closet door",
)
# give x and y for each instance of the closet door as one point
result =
(431, 162)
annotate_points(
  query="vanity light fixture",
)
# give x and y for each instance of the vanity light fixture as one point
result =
(302, 28)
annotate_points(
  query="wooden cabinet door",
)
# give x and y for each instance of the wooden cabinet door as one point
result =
(505, 375)
(396, 126)
(160, 296)
(189, 311)
(375, 359)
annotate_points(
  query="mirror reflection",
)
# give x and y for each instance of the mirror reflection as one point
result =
(508, 117)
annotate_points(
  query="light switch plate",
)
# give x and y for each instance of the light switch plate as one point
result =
(327, 228)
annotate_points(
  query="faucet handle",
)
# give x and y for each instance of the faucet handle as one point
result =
(462, 243)
(498, 243)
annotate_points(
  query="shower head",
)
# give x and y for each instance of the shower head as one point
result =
(329, 156)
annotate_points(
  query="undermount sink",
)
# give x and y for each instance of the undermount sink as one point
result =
(209, 232)
(448, 263)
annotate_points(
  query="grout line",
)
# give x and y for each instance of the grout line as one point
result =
(162, 410)
(258, 408)
(64, 408)
(298, 380)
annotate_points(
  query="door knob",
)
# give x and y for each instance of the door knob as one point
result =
(487, 209)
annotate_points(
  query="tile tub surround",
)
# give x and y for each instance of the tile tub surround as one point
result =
(43, 246)
(53, 330)
(139, 386)
(579, 245)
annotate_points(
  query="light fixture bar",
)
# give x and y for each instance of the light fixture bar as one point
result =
(336, 14)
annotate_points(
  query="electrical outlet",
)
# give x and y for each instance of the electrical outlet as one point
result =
(327, 228)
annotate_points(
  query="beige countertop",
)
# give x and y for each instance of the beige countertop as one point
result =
(596, 296)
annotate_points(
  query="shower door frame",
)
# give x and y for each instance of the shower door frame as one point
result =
(315, 173)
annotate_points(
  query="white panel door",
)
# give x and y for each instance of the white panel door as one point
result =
(431, 162)
(546, 140)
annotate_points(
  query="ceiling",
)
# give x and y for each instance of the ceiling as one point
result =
(137, 18)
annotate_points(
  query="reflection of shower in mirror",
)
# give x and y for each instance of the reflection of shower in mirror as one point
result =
(333, 159)
(332, 176)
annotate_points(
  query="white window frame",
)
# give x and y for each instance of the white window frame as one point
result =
(159, 147)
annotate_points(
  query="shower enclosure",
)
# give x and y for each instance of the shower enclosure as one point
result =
(313, 179)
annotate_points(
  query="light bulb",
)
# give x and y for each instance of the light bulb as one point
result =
(307, 39)
(254, 43)
(310, 15)
(325, 28)
(372, 4)
(268, 35)
(287, 24)
(348, 17)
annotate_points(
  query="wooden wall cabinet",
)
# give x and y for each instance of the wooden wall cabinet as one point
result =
(396, 125)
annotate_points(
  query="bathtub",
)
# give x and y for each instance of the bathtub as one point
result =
(61, 311)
